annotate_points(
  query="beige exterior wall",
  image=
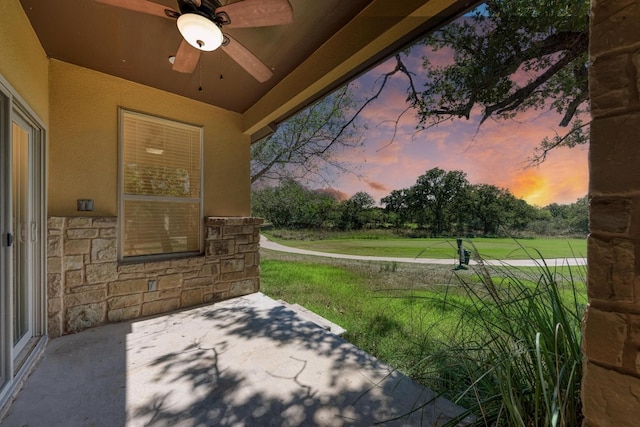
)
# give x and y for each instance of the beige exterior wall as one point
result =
(83, 154)
(86, 285)
(611, 382)
(23, 63)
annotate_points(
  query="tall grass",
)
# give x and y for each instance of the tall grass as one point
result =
(515, 358)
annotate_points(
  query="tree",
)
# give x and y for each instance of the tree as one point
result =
(572, 219)
(489, 210)
(396, 203)
(579, 215)
(509, 56)
(356, 212)
(438, 197)
(291, 205)
(521, 213)
(304, 145)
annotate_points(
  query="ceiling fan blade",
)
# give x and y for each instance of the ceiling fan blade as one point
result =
(258, 13)
(186, 59)
(143, 6)
(247, 60)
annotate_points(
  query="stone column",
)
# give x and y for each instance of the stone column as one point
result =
(611, 344)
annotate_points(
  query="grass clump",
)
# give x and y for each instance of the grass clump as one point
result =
(515, 357)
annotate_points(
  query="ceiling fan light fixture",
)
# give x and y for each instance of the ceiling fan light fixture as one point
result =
(200, 32)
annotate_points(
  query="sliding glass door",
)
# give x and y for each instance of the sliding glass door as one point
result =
(22, 239)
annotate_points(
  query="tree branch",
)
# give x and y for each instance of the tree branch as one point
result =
(519, 96)
(546, 147)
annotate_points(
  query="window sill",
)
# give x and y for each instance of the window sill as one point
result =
(158, 258)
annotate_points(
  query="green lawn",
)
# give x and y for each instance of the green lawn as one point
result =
(490, 248)
(381, 316)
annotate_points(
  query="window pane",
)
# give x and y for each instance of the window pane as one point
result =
(160, 186)
(161, 158)
(160, 227)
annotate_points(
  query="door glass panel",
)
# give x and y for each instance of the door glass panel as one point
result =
(20, 198)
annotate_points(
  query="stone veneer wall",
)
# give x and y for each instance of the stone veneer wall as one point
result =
(611, 341)
(87, 286)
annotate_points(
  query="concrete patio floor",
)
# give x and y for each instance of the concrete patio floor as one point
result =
(249, 361)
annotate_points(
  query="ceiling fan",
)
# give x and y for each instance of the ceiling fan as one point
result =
(200, 22)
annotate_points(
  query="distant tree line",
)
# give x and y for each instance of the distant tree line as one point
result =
(440, 203)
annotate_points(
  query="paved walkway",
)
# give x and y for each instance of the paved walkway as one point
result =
(268, 244)
(248, 361)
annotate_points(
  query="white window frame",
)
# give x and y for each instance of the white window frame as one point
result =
(122, 197)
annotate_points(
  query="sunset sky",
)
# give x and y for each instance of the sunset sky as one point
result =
(496, 155)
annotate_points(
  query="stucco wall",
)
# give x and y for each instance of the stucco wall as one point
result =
(23, 62)
(83, 150)
(611, 382)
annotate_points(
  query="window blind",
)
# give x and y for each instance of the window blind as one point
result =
(161, 186)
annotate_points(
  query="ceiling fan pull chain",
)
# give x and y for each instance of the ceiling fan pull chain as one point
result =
(200, 76)
(220, 59)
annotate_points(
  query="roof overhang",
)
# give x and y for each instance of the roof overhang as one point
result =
(371, 37)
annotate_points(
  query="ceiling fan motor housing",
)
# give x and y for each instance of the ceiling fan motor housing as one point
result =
(207, 9)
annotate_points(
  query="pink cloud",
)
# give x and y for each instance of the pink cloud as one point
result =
(377, 186)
